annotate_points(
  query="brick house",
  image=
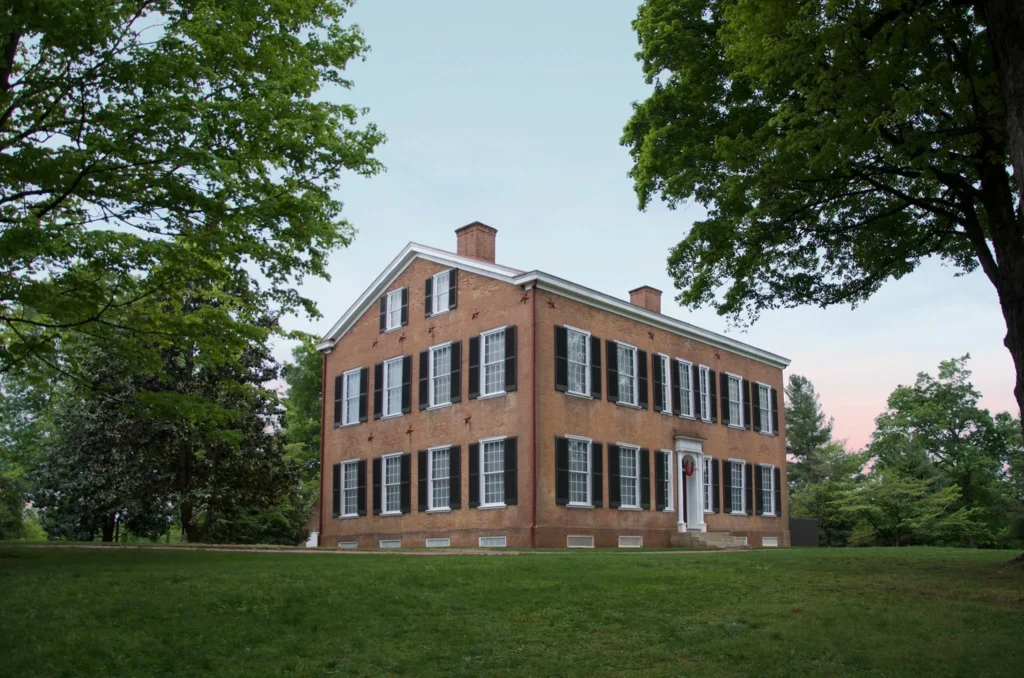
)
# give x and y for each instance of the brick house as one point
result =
(467, 403)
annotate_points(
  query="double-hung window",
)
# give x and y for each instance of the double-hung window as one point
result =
(350, 488)
(735, 401)
(393, 387)
(350, 397)
(706, 477)
(629, 477)
(579, 471)
(627, 374)
(492, 375)
(439, 473)
(440, 287)
(685, 388)
(764, 403)
(394, 310)
(579, 361)
(392, 483)
(767, 494)
(493, 476)
(665, 459)
(736, 469)
(666, 383)
(704, 393)
(440, 375)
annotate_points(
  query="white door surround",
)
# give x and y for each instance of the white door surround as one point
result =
(691, 519)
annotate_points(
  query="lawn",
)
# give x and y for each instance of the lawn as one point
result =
(788, 612)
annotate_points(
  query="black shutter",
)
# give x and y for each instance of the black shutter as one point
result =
(713, 395)
(456, 374)
(775, 412)
(424, 379)
(677, 391)
(384, 312)
(777, 486)
(758, 492)
(405, 306)
(474, 475)
(659, 398)
(511, 472)
(455, 477)
(453, 288)
(376, 486)
(659, 481)
(641, 380)
(428, 297)
(407, 384)
(405, 488)
(698, 401)
(338, 386)
(612, 358)
(725, 398)
(595, 368)
(474, 367)
(361, 487)
(745, 387)
(561, 471)
(336, 491)
(561, 359)
(511, 374)
(422, 469)
(748, 470)
(378, 390)
(364, 384)
(596, 475)
(715, 473)
(614, 486)
(727, 482)
(755, 405)
(645, 478)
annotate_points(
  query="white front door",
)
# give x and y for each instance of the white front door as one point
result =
(690, 488)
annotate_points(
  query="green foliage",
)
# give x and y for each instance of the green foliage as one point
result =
(154, 147)
(826, 475)
(806, 427)
(303, 411)
(23, 427)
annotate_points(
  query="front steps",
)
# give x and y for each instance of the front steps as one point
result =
(715, 540)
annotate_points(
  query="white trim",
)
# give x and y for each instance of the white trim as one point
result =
(743, 487)
(385, 398)
(390, 544)
(666, 363)
(581, 541)
(693, 401)
(588, 362)
(728, 401)
(388, 310)
(632, 541)
(439, 542)
(636, 490)
(771, 493)
(705, 405)
(483, 362)
(430, 479)
(384, 484)
(769, 542)
(344, 395)
(589, 503)
(348, 544)
(634, 400)
(343, 465)
(770, 429)
(482, 478)
(494, 542)
(433, 293)
(430, 375)
(669, 496)
(708, 497)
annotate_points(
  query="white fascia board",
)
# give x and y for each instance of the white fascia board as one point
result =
(609, 303)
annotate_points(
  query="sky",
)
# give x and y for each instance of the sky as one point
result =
(511, 113)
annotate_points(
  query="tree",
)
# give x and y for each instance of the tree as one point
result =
(806, 427)
(302, 405)
(835, 146)
(23, 428)
(827, 474)
(147, 145)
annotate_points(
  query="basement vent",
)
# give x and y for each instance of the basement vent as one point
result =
(742, 540)
(439, 543)
(492, 542)
(579, 541)
(348, 544)
(631, 542)
(391, 543)
(769, 541)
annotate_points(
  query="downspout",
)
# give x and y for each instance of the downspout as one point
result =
(323, 442)
(533, 409)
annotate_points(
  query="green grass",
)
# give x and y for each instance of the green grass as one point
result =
(878, 612)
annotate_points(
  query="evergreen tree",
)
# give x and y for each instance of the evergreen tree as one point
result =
(806, 426)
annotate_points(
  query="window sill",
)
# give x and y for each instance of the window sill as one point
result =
(737, 426)
(668, 510)
(708, 513)
(667, 413)
(629, 405)
(766, 433)
(351, 423)
(768, 515)
(391, 416)
(579, 395)
(490, 395)
(354, 515)
(438, 407)
(737, 513)
(434, 315)
(630, 508)
(688, 416)
(579, 506)
(706, 421)
(446, 509)
(487, 507)
(393, 329)
(390, 513)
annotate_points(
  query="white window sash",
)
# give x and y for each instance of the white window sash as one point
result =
(669, 480)
(629, 378)
(742, 510)
(736, 389)
(393, 400)
(686, 400)
(440, 292)
(485, 474)
(432, 473)
(588, 463)
(666, 383)
(705, 393)
(388, 463)
(393, 310)
(350, 416)
(767, 490)
(706, 476)
(432, 381)
(498, 364)
(585, 365)
(346, 489)
(765, 406)
(625, 480)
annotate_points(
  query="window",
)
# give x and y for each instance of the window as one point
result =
(764, 393)
(350, 409)
(350, 488)
(666, 384)
(579, 472)
(394, 310)
(440, 375)
(440, 287)
(706, 477)
(439, 472)
(767, 494)
(705, 396)
(627, 374)
(665, 459)
(493, 476)
(392, 483)
(735, 401)
(493, 374)
(737, 487)
(393, 387)
(629, 477)
(685, 389)
(579, 362)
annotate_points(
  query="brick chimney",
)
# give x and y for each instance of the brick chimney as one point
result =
(646, 297)
(476, 240)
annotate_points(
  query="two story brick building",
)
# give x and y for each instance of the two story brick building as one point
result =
(467, 403)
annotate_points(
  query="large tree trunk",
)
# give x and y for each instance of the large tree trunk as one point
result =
(109, 521)
(189, 525)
